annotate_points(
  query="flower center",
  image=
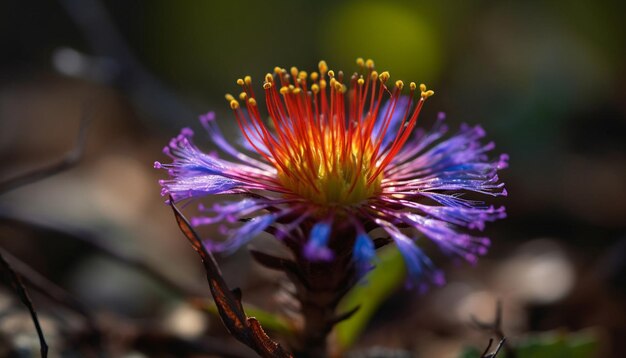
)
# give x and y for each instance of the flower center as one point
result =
(329, 142)
(337, 179)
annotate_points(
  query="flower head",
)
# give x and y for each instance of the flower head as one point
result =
(337, 157)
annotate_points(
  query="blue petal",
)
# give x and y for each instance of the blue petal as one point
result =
(364, 253)
(243, 234)
(316, 248)
(196, 186)
(418, 265)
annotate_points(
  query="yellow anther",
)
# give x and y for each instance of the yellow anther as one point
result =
(360, 62)
(413, 86)
(247, 80)
(234, 104)
(294, 72)
(240, 82)
(297, 90)
(314, 76)
(360, 81)
(338, 86)
(302, 75)
(267, 85)
(252, 101)
(369, 63)
(323, 84)
(291, 87)
(426, 94)
(243, 96)
(331, 73)
(344, 88)
(323, 67)
(269, 78)
(315, 88)
(332, 81)
(399, 84)
(384, 76)
(284, 90)
(277, 70)
(422, 87)
(229, 97)
(374, 75)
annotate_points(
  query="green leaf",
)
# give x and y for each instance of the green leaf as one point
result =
(557, 344)
(470, 352)
(378, 285)
(269, 320)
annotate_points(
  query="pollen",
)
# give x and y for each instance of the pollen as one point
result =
(330, 142)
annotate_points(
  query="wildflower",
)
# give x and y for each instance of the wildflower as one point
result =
(337, 158)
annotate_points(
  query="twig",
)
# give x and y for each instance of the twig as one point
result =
(486, 353)
(70, 159)
(494, 328)
(20, 290)
(245, 329)
(100, 246)
(145, 90)
(51, 290)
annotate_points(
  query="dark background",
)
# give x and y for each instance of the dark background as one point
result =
(547, 80)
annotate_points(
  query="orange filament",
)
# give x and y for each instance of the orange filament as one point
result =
(321, 140)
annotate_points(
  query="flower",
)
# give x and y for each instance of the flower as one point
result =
(334, 162)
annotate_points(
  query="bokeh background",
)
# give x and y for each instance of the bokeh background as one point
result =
(547, 80)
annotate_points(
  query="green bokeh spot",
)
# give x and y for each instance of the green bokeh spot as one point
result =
(397, 37)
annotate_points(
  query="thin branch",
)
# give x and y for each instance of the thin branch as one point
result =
(495, 328)
(146, 92)
(22, 293)
(70, 159)
(245, 329)
(51, 290)
(101, 246)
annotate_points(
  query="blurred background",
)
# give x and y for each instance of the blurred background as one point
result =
(547, 80)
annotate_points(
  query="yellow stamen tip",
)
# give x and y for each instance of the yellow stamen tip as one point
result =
(247, 80)
(252, 101)
(331, 73)
(422, 87)
(243, 96)
(412, 86)
(384, 76)
(269, 78)
(323, 67)
(315, 88)
(229, 97)
(374, 75)
(360, 62)
(234, 104)
(323, 84)
(240, 82)
(294, 72)
(284, 90)
(426, 94)
(277, 70)
(314, 76)
(297, 90)
(302, 75)
(399, 84)
(360, 81)
(267, 85)
(369, 63)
